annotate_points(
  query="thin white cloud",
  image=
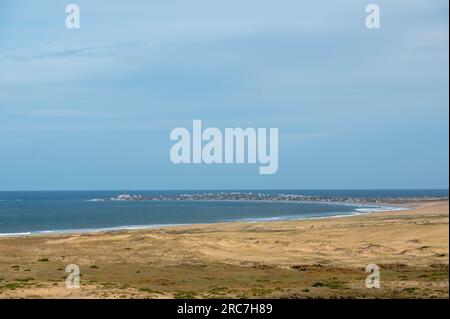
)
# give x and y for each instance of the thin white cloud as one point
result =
(64, 112)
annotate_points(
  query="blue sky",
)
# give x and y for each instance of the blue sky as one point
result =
(93, 108)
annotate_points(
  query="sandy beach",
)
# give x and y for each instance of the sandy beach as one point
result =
(323, 258)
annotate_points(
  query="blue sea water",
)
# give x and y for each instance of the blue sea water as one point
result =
(73, 211)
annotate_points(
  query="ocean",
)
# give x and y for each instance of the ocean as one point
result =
(35, 212)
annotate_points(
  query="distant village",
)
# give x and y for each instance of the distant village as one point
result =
(249, 196)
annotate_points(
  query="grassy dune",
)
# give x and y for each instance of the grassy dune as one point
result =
(323, 258)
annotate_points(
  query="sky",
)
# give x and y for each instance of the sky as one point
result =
(93, 108)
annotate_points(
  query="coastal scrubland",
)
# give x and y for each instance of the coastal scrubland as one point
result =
(319, 258)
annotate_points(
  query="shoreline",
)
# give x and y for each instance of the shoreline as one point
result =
(320, 258)
(381, 207)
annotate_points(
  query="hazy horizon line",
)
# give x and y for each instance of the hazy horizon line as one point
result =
(221, 189)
